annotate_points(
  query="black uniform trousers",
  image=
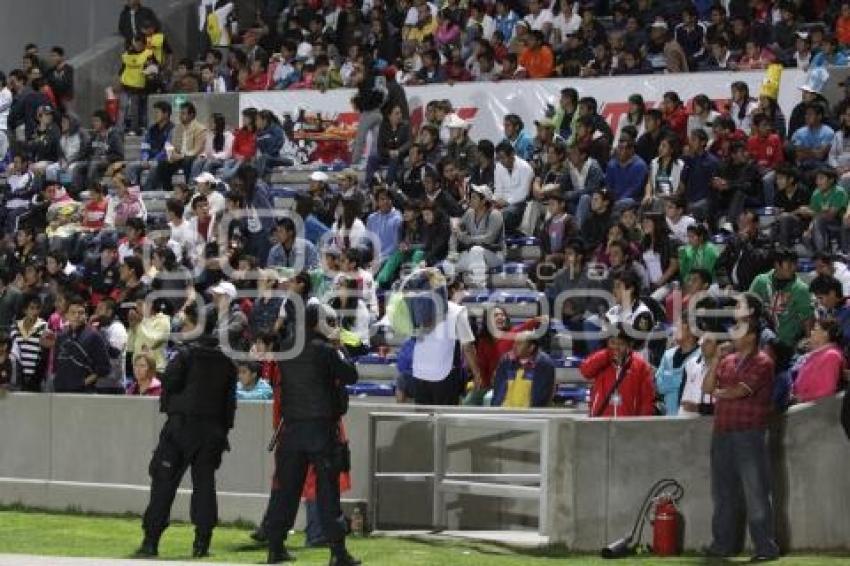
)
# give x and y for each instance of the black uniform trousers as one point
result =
(184, 443)
(303, 443)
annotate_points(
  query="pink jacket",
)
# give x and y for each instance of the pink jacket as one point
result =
(819, 374)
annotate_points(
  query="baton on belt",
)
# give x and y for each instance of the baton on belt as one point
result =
(275, 437)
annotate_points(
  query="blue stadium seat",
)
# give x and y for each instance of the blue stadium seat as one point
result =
(523, 247)
(570, 394)
(370, 389)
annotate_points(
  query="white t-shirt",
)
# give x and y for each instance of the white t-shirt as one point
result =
(694, 374)
(433, 354)
(513, 186)
(679, 230)
(5, 105)
(566, 23)
(542, 18)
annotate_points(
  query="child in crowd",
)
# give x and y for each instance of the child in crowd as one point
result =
(251, 387)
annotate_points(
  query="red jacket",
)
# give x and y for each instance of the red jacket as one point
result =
(637, 390)
(677, 120)
(766, 152)
(244, 144)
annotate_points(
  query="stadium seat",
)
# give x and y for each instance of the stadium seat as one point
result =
(510, 275)
(523, 248)
(377, 368)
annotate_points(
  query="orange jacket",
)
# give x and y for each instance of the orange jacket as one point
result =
(842, 30)
(538, 62)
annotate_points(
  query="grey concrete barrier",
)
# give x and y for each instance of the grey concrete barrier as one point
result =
(92, 453)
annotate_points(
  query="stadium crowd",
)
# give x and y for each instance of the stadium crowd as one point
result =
(681, 205)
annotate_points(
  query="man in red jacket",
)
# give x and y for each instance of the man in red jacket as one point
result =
(621, 379)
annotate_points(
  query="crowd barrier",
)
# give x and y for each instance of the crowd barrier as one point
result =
(92, 453)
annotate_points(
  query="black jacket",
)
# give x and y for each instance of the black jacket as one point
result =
(45, 145)
(62, 81)
(24, 110)
(200, 382)
(125, 27)
(310, 382)
(743, 260)
(80, 354)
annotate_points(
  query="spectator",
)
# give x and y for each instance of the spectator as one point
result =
(699, 253)
(525, 377)
(742, 106)
(820, 371)
(251, 387)
(188, 141)
(654, 131)
(812, 142)
(212, 81)
(742, 385)
(81, 356)
(479, 236)
(826, 210)
(787, 299)
(670, 379)
(690, 35)
(746, 255)
(766, 148)
(132, 17)
(626, 175)
(703, 115)
(839, 156)
(515, 135)
(244, 144)
(621, 380)
(700, 168)
(61, 78)
(106, 146)
(218, 148)
(738, 184)
(25, 104)
(512, 181)
(394, 141)
(138, 65)
(461, 149)
(153, 148)
(145, 381)
(792, 201)
(26, 338)
(676, 115)
(384, 224)
(291, 251)
(658, 254)
(537, 58)
(271, 140)
(665, 175)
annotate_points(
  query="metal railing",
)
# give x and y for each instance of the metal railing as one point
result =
(526, 486)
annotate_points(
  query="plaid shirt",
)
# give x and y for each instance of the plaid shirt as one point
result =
(751, 412)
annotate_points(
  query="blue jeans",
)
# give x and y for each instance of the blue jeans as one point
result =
(740, 466)
(313, 532)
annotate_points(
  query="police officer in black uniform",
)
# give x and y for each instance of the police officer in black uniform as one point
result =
(313, 398)
(199, 396)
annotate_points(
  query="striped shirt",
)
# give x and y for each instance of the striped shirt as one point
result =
(27, 347)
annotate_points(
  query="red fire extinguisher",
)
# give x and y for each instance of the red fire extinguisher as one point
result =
(665, 527)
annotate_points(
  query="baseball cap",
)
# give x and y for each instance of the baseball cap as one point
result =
(224, 288)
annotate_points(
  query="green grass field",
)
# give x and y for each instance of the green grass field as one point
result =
(51, 534)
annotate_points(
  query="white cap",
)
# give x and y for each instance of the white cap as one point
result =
(224, 288)
(455, 121)
(483, 190)
(319, 177)
(206, 177)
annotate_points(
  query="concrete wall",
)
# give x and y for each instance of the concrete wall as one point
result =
(76, 25)
(93, 452)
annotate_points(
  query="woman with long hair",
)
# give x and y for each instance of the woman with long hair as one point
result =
(703, 114)
(218, 148)
(658, 255)
(244, 144)
(742, 106)
(349, 231)
(770, 108)
(665, 175)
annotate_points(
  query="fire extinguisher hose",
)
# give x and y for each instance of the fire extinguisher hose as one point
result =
(668, 488)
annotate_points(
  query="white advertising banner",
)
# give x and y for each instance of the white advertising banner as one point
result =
(485, 104)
